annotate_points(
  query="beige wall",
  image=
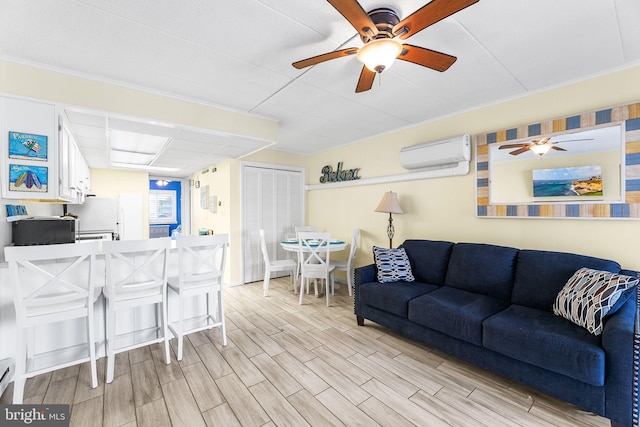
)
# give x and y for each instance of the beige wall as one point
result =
(445, 208)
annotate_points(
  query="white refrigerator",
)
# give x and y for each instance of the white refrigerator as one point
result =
(121, 215)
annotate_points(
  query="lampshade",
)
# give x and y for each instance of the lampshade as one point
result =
(541, 149)
(389, 204)
(379, 54)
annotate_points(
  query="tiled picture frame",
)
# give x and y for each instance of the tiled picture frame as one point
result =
(628, 114)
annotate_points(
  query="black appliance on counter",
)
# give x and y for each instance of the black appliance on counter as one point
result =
(43, 231)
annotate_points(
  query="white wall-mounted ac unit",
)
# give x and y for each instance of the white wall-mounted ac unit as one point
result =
(442, 154)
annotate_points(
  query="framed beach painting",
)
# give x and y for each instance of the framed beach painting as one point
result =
(28, 178)
(27, 146)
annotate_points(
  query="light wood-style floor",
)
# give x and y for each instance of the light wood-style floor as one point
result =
(292, 365)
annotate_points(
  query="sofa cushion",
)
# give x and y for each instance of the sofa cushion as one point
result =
(429, 259)
(542, 339)
(392, 297)
(455, 312)
(482, 269)
(392, 265)
(589, 296)
(541, 274)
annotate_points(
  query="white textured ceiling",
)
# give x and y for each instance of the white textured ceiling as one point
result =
(238, 54)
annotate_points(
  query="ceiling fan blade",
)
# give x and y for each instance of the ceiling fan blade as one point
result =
(426, 57)
(571, 140)
(325, 57)
(355, 14)
(366, 80)
(520, 151)
(502, 147)
(429, 14)
(558, 148)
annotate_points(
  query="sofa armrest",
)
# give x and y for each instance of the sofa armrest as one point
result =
(362, 275)
(618, 344)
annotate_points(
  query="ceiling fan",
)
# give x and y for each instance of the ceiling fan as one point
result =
(381, 31)
(539, 146)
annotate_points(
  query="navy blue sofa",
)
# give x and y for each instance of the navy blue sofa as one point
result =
(492, 305)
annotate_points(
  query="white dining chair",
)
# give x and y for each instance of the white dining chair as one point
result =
(313, 250)
(136, 277)
(299, 228)
(271, 266)
(348, 264)
(201, 264)
(51, 284)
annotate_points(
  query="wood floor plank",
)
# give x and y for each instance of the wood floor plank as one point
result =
(153, 414)
(70, 371)
(281, 412)
(166, 373)
(266, 343)
(221, 415)
(312, 410)
(202, 386)
(486, 416)
(280, 378)
(181, 404)
(87, 413)
(338, 381)
(382, 414)
(37, 385)
(408, 409)
(416, 377)
(62, 391)
(140, 354)
(119, 408)
(83, 389)
(189, 354)
(302, 374)
(244, 343)
(243, 367)
(213, 361)
(344, 409)
(341, 364)
(245, 407)
(146, 386)
(400, 385)
(293, 347)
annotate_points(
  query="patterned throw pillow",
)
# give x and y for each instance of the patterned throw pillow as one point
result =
(393, 265)
(589, 296)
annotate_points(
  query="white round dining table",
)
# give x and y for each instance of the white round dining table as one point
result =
(334, 246)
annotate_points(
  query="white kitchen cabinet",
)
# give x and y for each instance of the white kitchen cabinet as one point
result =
(39, 156)
(28, 149)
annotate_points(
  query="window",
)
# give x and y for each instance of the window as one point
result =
(162, 207)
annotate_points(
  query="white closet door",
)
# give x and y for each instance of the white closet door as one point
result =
(273, 201)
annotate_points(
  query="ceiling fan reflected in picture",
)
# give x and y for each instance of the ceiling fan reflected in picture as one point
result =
(539, 146)
(381, 30)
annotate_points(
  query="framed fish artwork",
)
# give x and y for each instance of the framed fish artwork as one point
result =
(27, 146)
(28, 178)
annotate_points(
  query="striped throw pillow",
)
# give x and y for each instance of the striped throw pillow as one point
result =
(393, 265)
(589, 296)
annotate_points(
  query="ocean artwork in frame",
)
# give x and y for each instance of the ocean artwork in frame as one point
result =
(27, 178)
(577, 181)
(27, 146)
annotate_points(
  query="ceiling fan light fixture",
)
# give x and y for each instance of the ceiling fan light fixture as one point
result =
(541, 149)
(379, 54)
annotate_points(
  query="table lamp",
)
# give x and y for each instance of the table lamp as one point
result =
(389, 204)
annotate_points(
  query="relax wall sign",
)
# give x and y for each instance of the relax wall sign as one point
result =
(338, 175)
